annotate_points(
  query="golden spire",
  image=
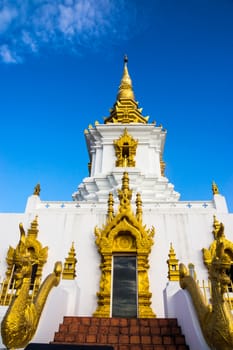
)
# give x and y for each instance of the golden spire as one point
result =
(110, 206)
(139, 207)
(125, 88)
(125, 194)
(33, 230)
(126, 110)
(173, 267)
(69, 272)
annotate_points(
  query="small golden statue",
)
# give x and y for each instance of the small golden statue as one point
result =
(36, 190)
(215, 188)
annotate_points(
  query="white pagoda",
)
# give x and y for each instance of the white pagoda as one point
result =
(123, 235)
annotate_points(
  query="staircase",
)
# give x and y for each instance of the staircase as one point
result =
(122, 333)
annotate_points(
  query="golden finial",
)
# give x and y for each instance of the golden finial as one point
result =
(173, 265)
(33, 230)
(110, 206)
(139, 207)
(125, 88)
(69, 272)
(215, 188)
(37, 190)
(125, 194)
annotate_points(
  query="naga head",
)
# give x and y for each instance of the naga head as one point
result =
(57, 271)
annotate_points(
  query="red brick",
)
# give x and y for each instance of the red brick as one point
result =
(182, 347)
(95, 321)
(123, 347)
(115, 321)
(179, 339)
(86, 321)
(63, 328)
(68, 320)
(176, 330)
(83, 328)
(146, 339)
(123, 339)
(105, 321)
(112, 339)
(59, 337)
(91, 338)
(144, 330)
(171, 347)
(155, 330)
(165, 330)
(123, 322)
(73, 328)
(153, 322)
(69, 338)
(163, 322)
(134, 330)
(172, 321)
(133, 321)
(156, 339)
(135, 347)
(113, 330)
(101, 338)
(134, 339)
(80, 338)
(148, 347)
(168, 340)
(103, 330)
(159, 347)
(93, 330)
(124, 330)
(144, 321)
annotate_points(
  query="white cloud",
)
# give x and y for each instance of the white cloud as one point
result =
(7, 14)
(7, 56)
(28, 26)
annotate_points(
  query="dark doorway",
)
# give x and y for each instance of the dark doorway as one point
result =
(124, 296)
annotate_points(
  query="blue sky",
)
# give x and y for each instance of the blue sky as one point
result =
(61, 63)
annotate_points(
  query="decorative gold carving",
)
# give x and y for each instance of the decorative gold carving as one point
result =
(37, 256)
(22, 317)
(216, 319)
(110, 206)
(126, 110)
(125, 148)
(215, 188)
(69, 272)
(162, 166)
(37, 190)
(124, 233)
(173, 267)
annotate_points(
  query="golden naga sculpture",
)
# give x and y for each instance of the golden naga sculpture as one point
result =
(216, 319)
(22, 317)
(37, 256)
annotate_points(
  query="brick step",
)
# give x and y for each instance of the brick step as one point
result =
(122, 333)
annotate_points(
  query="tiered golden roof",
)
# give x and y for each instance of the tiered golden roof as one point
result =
(126, 110)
